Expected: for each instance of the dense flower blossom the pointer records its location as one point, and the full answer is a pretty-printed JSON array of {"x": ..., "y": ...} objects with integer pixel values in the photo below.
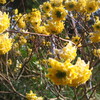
[
  {"x": 5, "y": 43},
  {"x": 91, "y": 6},
  {"x": 96, "y": 26},
  {"x": 67, "y": 73},
  {"x": 80, "y": 5},
  {"x": 4, "y": 22},
  {"x": 95, "y": 37},
  {"x": 2, "y": 1},
  {"x": 54, "y": 27},
  {"x": 96, "y": 52},
  {"x": 41, "y": 29},
  {"x": 70, "y": 5},
  {"x": 46, "y": 7},
  {"x": 56, "y": 3},
  {"x": 59, "y": 13},
  {"x": 76, "y": 39},
  {"x": 58, "y": 72},
  {"x": 32, "y": 96},
  {"x": 68, "y": 52}
]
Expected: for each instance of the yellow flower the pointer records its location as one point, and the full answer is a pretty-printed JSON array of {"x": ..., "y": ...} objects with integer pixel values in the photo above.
[
  {"x": 58, "y": 72},
  {"x": 22, "y": 40},
  {"x": 56, "y": 3},
  {"x": 15, "y": 46},
  {"x": 4, "y": 22},
  {"x": 68, "y": 74},
  {"x": 41, "y": 29},
  {"x": 36, "y": 13},
  {"x": 46, "y": 43},
  {"x": 36, "y": 22},
  {"x": 96, "y": 52},
  {"x": 80, "y": 5},
  {"x": 12, "y": 0},
  {"x": 96, "y": 26},
  {"x": 55, "y": 27},
  {"x": 76, "y": 40},
  {"x": 15, "y": 11},
  {"x": 91, "y": 6},
  {"x": 2, "y": 1},
  {"x": 9, "y": 62},
  {"x": 46, "y": 7},
  {"x": 87, "y": 17},
  {"x": 21, "y": 24},
  {"x": 82, "y": 71},
  {"x": 71, "y": 5},
  {"x": 5, "y": 43},
  {"x": 59, "y": 13},
  {"x": 32, "y": 96},
  {"x": 95, "y": 37},
  {"x": 68, "y": 52}
]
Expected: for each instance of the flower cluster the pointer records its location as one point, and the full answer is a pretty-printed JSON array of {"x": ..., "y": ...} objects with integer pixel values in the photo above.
[
  {"x": 96, "y": 52},
  {"x": 5, "y": 43},
  {"x": 66, "y": 73},
  {"x": 88, "y": 6},
  {"x": 2, "y": 1},
  {"x": 32, "y": 96},
  {"x": 68, "y": 52},
  {"x": 51, "y": 17},
  {"x": 95, "y": 37},
  {"x": 96, "y": 26},
  {"x": 4, "y": 22}
]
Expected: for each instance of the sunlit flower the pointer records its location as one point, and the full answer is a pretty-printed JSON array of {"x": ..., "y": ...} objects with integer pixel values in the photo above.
[
  {"x": 95, "y": 37},
  {"x": 80, "y": 5},
  {"x": 56, "y": 3},
  {"x": 96, "y": 52},
  {"x": 2, "y": 1},
  {"x": 32, "y": 96},
  {"x": 4, "y": 22},
  {"x": 91, "y": 6},
  {"x": 59, "y": 13},
  {"x": 68, "y": 52},
  {"x": 58, "y": 73},
  {"x": 5, "y": 43},
  {"x": 96, "y": 26},
  {"x": 55, "y": 27},
  {"x": 71, "y": 5},
  {"x": 68, "y": 74},
  {"x": 46, "y": 7},
  {"x": 76, "y": 40}
]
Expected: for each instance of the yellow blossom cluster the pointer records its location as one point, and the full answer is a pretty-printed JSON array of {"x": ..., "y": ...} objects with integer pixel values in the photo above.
[
  {"x": 96, "y": 52},
  {"x": 95, "y": 37},
  {"x": 5, "y": 43},
  {"x": 55, "y": 27},
  {"x": 96, "y": 26},
  {"x": 46, "y": 7},
  {"x": 68, "y": 52},
  {"x": 32, "y": 96},
  {"x": 22, "y": 40},
  {"x": 34, "y": 17},
  {"x": 59, "y": 13},
  {"x": 20, "y": 19},
  {"x": 51, "y": 17},
  {"x": 82, "y": 5},
  {"x": 66, "y": 73},
  {"x": 2, "y": 1},
  {"x": 76, "y": 40},
  {"x": 56, "y": 3},
  {"x": 4, "y": 22}
]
